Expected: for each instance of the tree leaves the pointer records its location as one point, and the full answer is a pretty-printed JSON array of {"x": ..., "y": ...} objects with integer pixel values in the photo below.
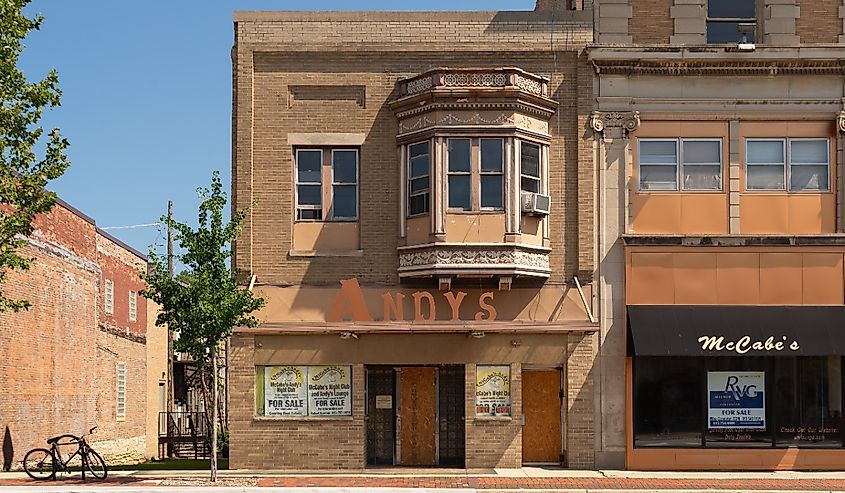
[
  {"x": 203, "y": 303},
  {"x": 23, "y": 175}
]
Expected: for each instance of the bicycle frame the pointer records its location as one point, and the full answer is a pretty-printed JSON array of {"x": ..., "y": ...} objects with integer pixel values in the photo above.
[{"x": 81, "y": 452}]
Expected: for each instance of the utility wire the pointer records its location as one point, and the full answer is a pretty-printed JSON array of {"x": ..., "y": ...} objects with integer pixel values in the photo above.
[{"x": 133, "y": 226}]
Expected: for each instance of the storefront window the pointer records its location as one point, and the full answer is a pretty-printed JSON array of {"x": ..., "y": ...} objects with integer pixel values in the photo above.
[
  {"x": 668, "y": 402},
  {"x": 738, "y": 402},
  {"x": 808, "y": 402},
  {"x": 303, "y": 391}
]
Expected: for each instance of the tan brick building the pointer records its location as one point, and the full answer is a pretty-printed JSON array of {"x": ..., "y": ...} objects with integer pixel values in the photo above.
[
  {"x": 422, "y": 229},
  {"x": 720, "y": 234},
  {"x": 79, "y": 357}
]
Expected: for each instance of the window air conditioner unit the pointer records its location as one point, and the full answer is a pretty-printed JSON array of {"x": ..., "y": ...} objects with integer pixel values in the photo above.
[{"x": 536, "y": 203}]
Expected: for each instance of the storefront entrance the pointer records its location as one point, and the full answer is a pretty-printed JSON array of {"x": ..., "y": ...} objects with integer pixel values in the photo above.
[
  {"x": 415, "y": 415},
  {"x": 541, "y": 404}
]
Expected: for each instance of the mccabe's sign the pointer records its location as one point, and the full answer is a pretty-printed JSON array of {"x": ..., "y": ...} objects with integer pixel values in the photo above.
[
  {"x": 746, "y": 344},
  {"x": 350, "y": 305}
]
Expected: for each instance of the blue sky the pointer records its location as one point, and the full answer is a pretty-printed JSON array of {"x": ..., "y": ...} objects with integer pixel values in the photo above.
[{"x": 147, "y": 98}]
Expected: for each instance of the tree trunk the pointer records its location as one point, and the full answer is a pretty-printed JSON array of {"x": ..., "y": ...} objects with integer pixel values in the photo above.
[{"x": 214, "y": 414}]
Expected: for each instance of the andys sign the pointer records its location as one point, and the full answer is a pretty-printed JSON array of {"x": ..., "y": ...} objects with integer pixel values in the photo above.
[{"x": 349, "y": 305}]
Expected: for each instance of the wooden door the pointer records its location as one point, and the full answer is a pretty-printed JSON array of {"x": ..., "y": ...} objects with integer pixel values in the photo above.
[
  {"x": 541, "y": 406},
  {"x": 417, "y": 411}
]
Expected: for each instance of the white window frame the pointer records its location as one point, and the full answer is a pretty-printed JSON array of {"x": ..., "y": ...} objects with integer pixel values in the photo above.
[
  {"x": 120, "y": 400},
  {"x": 297, "y": 183},
  {"x": 785, "y": 164},
  {"x": 108, "y": 295},
  {"x": 450, "y": 173},
  {"x": 540, "y": 170},
  {"x": 332, "y": 216},
  {"x": 683, "y": 164},
  {"x": 427, "y": 191},
  {"x": 482, "y": 173},
  {"x": 133, "y": 306},
  {"x": 790, "y": 164},
  {"x": 677, "y": 165}
]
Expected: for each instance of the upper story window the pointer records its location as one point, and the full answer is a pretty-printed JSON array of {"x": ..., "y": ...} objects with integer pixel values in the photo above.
[
  {"x": 731, "y": 21},
  {"x": 133, "y": 306},
  {"x": 680, "y": 164},
  {"x": 109, "y": 296},
  {"x": 326, "y": 184},
  {"x": 419, "y": 170},
  {"x": 529, "y": 158},
  {"x": 803, "y": 164},
  {"x": 475, "y": 169}
]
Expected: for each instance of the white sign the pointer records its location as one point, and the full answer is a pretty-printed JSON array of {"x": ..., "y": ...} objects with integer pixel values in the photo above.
[
  {"x": 493, "y": 390},
  {"x": 330, "y": 391},
  {"x": 384, "y": 402},
  {"x": 736, "y": 400},
  {"x": 285, "y": 391}
]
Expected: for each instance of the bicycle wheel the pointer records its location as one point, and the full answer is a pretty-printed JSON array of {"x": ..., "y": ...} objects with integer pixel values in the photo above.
[
  {"x": 96, "y": 464},
  {"x": 38, "y": 464}
]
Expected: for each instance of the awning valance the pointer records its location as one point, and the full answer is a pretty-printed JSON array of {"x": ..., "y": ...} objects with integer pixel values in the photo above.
[{"x": 720, "y": 330}]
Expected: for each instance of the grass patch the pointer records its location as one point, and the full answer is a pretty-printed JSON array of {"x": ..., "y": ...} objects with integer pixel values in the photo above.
[{"x": 173, "y": 465}]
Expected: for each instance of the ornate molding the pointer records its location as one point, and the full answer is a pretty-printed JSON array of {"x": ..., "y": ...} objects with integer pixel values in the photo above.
[
  {"x": 629, "y": 121},
  {"x": 483, "y": 78},
  {"x": 507, "y": 259},
  {"x": 840, "y": 121},
  {"x": 451, "y": 119},
  {"x": 726, "y": 67}
]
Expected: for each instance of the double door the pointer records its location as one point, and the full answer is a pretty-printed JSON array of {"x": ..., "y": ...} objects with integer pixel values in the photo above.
[{"x": 415, "y": 415}]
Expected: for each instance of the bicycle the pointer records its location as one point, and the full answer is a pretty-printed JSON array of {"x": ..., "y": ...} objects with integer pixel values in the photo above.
[{"x": 42, "y": 464}]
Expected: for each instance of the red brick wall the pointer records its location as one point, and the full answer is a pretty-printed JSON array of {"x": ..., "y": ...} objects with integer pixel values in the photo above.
[
  {"x": 122, "y": 268},
  {"x": 57, "y": 368}
]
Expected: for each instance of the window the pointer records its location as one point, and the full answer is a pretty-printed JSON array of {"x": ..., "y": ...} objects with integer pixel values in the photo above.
[
  {"x": 808, "y": 168},
  {"x": 460, "y": 173},
  {"x": 476, "y": 173},
  {"x": 345, "y": 184},
  {"x": 109, "y": 296},
  {"x": 133, "y": 306},
  {"x": 338, "y": 169},
  {"x": 699, "y": 162},
  {"x": 295, "y": 391},
  {"x": 492, "y": 173},
  {"x": 731, "y": 21},
  {"x": 309, "y": 179},
  {"x": 693, "y": 402},
  {"x": 121, "y": 392},
  {"x": 529, "y": 155},
  {"x": 418, "y": 179}
]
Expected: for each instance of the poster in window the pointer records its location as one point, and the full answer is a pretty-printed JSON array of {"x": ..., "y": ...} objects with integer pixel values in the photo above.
[
  {"x": 736, "y": 400},
  {"x": 330, "y": 390},
  {"x": 285, "y": 392},
  {"x": 493, "y": 390}
]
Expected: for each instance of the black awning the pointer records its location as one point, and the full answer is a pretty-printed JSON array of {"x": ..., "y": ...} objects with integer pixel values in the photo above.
[{"x": 719, "y": 330}]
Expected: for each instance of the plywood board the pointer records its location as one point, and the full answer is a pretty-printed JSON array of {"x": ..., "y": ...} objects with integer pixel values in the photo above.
[
  {"x": 417, "y": 411},
  {"x": 541, "y": 406}
]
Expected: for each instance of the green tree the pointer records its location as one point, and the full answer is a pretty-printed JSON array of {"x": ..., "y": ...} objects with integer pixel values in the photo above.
[
  {"x": 23, "y": 174},
  {"x": 204, "y": 302}
]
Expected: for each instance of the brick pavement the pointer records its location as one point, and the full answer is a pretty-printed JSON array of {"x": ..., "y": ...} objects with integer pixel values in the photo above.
[{"x": 496, "y": 483}]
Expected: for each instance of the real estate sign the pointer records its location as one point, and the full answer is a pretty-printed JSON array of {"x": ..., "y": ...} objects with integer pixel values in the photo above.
[
  {"x": 493, "y": 390},
  {"x": 285, "y": 391},
  {"x": 736, "y": 400}
]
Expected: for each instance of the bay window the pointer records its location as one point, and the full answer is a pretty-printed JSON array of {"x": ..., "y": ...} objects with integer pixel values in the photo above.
[
  {"x": 475, "y": 170},
  {"x": 529, "y": 155},
  {"x": 492, "y": 173},
  {"x": 460, "y": 174},
  {"x": 419, "y": 188}
]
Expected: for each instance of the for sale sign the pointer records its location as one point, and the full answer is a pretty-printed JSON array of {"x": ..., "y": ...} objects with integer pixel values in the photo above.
[
  {"x": 736, "y": 400},
  {"x": 285, "y": 392}
]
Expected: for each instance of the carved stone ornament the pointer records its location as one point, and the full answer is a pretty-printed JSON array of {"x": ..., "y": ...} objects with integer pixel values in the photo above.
[
  {"x": 840, "y": 121},
  {"x": 432, "y": 258},
  {"x": 629, "y": 121}
]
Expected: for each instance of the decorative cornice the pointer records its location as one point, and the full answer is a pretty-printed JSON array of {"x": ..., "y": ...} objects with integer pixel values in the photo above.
[
  {"x": 629, "y": 121},
  {"x": 677, "y": 67},
  {"x": 500, "y": 119},
  {"x": 475, "y": 78}
]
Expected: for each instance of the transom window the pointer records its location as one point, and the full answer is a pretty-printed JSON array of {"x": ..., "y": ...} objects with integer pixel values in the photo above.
[
  {"x": 475, "y": 169},
  {"x": 731, "y": 21},
  {"x": 680, "y": 164},
  {"x": 802, "y": 163},
  {"x": 337, "y": 169},
  {"x": 419, "y": 188}
]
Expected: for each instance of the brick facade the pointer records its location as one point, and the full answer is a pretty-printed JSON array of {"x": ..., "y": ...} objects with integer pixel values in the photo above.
[
  {"x": 58, "y": 359},
  {"x": 820, "y": 21},
  {"x": 651, "y": 21}
]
